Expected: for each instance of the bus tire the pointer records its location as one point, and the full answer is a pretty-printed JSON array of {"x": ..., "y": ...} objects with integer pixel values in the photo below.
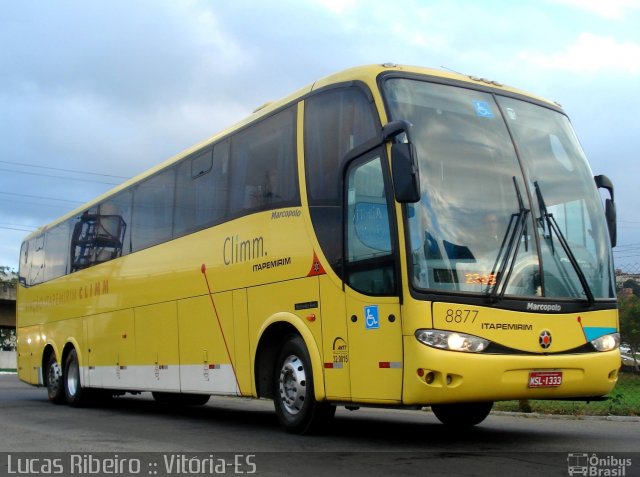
[
  {"x": 294, "y": 398},
  {"x": 464, "y": 414},
  {"x": 75, "y": 394},
  {"x": 55, "y": 384}
]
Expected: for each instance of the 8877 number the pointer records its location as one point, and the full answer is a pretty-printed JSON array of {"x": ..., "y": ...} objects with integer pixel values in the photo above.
[{"x": 461, "y": 316}]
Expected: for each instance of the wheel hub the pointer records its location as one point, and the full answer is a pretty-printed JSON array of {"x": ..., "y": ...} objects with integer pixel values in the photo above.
[
  {"x": 53, "y": 380},
  {"x": 293, "y": 384},
  {"x": 73, "y": 378}
]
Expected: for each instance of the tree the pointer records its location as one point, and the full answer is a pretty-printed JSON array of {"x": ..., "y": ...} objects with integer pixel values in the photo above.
[
  {"x": 8, "y": 279},
  {"x": 633, "y": 285},
  {"x": 7, "y": 339},
  {"x": 629, "y": 310},
  {"x": 7, "y": 275}
]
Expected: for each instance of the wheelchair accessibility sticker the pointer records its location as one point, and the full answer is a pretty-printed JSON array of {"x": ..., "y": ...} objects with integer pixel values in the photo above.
[
  {"x": 371, "y": 317},
  {"x": 483, "y": 109}
]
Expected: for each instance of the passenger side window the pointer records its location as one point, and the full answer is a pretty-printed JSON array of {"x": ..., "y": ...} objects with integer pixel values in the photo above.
[
  {"x": 263, "y": 165},
  {"x": 56, "y": 247},
  {"x": 152, "y": 220},
  {"x": 116, "y": 216},
  {"x": 370, "y": 257},
  {"x": 335, "y": 122},
  {"x": 201, "y": 189},
  {"x": 101, "y": 233},
  {"x": 25, "y": 263},
  {"x": 36, "y": 270}
]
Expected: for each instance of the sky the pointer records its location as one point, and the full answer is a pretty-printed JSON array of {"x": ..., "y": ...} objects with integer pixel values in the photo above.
[{"x": 94, "y": 92}]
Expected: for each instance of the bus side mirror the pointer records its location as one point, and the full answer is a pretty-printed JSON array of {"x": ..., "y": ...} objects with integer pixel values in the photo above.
[
  {"x": 610, "y": 214},
  {"x": 406, "y": 177},
  {"x": 603, "y": 182},
  {"x": 404, "y": 163}
]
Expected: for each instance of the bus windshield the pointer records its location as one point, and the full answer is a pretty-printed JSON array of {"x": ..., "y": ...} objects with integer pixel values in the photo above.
[{"x": 508, "y": 203}]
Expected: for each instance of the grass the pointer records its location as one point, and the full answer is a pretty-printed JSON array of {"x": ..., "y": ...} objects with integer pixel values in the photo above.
[{"x": 624, "y": 400}]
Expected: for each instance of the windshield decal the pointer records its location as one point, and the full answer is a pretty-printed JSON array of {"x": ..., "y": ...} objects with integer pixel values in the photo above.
[
  {"x": 593, "y": 332},
  {"x": 483, "y": 109}
]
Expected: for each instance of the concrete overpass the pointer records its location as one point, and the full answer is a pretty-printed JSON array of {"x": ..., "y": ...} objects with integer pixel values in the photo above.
[{"x": 7, "y": 305}]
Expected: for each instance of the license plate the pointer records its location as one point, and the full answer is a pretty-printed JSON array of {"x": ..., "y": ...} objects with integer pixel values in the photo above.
[{"x": 545, "y": 379}]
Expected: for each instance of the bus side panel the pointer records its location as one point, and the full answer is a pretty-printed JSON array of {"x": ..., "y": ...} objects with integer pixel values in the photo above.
[
  {"x": 59, "y": 333},
  {"x": 335, "y": 343},
  {"x": 265, "y": 302},
  {"x": 205, "y": 366},
  {"x": 157, "y": 360},
  {"x": 111, "y": 343},
  {"x": 244, "y": 369},
  {"x": 29, "y": 354}
]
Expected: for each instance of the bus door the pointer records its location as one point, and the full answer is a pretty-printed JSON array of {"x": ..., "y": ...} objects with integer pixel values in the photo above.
[{"x": 371, "y": 286}]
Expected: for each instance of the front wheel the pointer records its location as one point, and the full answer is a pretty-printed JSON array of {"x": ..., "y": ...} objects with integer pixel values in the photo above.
[
  {"x": 465, "y": 414},
  {"x": 294, "y": 395}
]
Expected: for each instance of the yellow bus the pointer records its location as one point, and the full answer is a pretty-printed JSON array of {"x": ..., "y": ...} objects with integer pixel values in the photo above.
[{"x": 388, "y": 236}]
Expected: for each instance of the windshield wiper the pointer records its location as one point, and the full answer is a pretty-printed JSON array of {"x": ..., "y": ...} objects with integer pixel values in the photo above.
[
  {"x": 509, "y": 249},
  {"x": 552, "y": 226}
]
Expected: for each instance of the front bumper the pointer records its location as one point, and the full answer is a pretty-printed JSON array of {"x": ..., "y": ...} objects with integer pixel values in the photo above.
[{"x": 433, "y": 376}]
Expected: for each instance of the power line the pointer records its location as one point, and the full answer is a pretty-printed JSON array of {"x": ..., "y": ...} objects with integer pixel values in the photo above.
[
  {"x": 41, "y": 197},
  {"x": 16, "y": 225},
  {"x": 50, "y": 205},
  {"x": 59, "y": 177},
  {"x": 18, "y": 229},
  {"x": 62, "y": 170}
]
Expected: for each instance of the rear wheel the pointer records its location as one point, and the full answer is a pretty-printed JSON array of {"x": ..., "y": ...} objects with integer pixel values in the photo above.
[
  {"x": 75, "y": 394},
  {"x": 465, "y": 414},
  {"x": 55, "y": 385},
  {"x": 294, "y": 395}
]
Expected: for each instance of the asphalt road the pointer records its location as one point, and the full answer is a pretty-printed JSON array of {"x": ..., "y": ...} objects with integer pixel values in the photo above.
[{"x": 367, "y": 442}]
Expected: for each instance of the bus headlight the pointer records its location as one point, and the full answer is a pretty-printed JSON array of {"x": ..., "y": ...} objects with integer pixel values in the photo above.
[
  {"x": 607, "y": 342},
  {"x": 452, "y": 340}
]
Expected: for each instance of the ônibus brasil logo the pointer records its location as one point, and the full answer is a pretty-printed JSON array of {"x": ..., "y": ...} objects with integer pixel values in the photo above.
[{"x": 593, "y": 465}]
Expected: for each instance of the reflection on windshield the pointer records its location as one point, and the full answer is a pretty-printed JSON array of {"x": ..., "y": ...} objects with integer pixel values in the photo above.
[
  {"x": 556, "y": 166},
  {"x": 468, "y": 165}
]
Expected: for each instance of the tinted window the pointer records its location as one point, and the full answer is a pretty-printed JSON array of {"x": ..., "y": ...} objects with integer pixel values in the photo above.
[
  {"x": 101, "y": 233},
  {"x": 56, "y": 245},
  {"x": 36, "y": 259},
  {"x": 152, "y": 220},
  {"x": 201, "y": 189},
  {"x": 263, "y": 165},
  {"x": 335, "y": 122},
  {"x": 25, "y": 262},
  {"x": 115, "y": 215},
  {"x": 370, "y": 264}
]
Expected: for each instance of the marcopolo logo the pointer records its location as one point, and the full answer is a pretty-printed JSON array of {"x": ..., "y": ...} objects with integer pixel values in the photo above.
[
  {"x": 595, "y": 465},
  {"x": 285, "y": 214},
  {"x": 543, "y": 307}
]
